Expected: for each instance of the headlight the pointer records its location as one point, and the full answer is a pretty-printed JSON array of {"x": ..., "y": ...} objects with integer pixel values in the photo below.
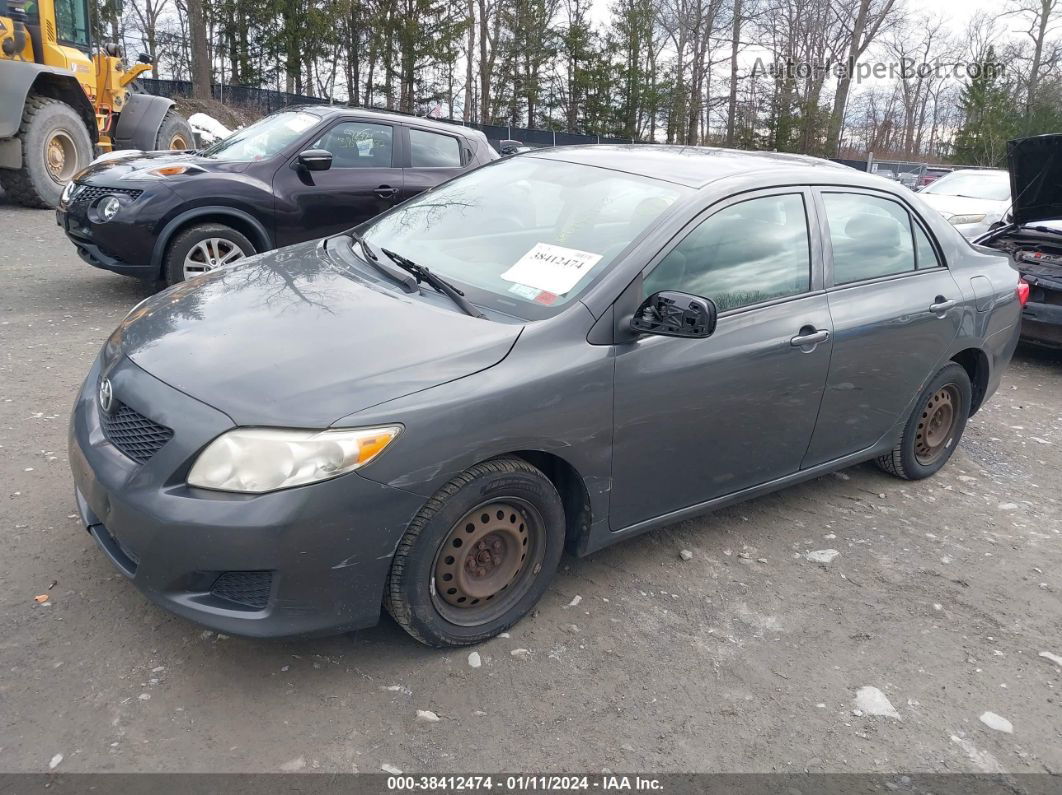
[
  {"x": 108, "y": 207},
  {"x": 68, "y": 191},
  {"x": 257, "y": 460},
  {"x": 956, "y": 220}
]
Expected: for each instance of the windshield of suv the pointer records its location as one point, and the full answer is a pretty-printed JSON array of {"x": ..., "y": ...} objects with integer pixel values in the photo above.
[
  {"x": 264, "y": 138},
  {"x": 530, "y": 231},
  {"x": 994, "y": 185}
]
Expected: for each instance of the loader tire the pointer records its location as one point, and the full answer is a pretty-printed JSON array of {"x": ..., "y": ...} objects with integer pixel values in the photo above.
[
  {"x": 174, "y": 133},
  {"x": 55, "y": 146}
]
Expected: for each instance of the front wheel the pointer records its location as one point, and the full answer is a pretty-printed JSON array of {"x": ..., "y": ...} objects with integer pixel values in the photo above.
[
  {"x": 478, "y": 555},
  {"x": 55, "y": 146},
  {"x": 202, "y": 248},
  {"x": 934, "y": 428}
]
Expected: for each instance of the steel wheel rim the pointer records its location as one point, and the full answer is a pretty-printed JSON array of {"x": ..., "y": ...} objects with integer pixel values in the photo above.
[
  {"x": 178, "y": 141},
  {"x": 60, "y": 157},
  {"x": 209, "y": 254},
  {"x": 936, "y": 425},
  {"x": 488, "y": 561}
]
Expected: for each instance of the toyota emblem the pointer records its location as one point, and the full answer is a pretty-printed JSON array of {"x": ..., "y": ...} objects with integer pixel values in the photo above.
[{"x": 106, "y": 395}]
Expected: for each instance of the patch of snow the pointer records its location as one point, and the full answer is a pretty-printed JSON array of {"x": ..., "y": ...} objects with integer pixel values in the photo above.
[
  {"x": 997, "y": 722},
  {"x": 475, "y": 660},
  {"x": 822, "y": 556},
  {"x": 873, "y": 702}
]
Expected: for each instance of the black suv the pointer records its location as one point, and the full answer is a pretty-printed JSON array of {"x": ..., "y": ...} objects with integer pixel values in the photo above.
[{"x": 296, "y": 175}]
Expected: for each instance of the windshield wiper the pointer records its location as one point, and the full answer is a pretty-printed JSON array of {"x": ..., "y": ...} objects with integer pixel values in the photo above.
[
  {"x": 422, "y": 274},
  {"x": 400, "y": 275}
]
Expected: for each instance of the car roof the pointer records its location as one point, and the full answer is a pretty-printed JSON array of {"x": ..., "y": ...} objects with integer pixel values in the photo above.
[
  {"x": 693, "y": 166},
  {"x": 329, "y": 111}
]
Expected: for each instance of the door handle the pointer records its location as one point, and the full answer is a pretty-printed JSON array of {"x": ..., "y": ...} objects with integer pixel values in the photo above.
[
  {"x": 809, "y": 336},
  {"x": 385, "y": 192},
  {"x": 941, "y": 305}
]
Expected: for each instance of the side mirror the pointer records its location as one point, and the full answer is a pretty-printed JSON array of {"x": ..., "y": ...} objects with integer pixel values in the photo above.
[
  {"x": 673, "y": 314},
  {"x": 315, "y": 159}
]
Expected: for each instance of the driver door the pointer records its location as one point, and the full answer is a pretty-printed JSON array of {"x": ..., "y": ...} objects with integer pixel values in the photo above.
[
  {"x": 697, "y": 419},
  {"x": 362, "y": 183}
]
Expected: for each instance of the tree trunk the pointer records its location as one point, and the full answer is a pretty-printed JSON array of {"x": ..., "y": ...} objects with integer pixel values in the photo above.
[
  {"x": 735, "y": 42},
  {"x": 200, "y": 53},
  {"x": 467, "y": 109},
  {"x": 844, "y": 83}
]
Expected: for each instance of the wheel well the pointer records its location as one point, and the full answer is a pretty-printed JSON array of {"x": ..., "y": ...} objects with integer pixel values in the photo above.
[
  {"x": 68, "y": 91},
  {"x": 975, "y": 363},
  {"x": 569, "y": 484},
  {"x": 241, "y": 225}
]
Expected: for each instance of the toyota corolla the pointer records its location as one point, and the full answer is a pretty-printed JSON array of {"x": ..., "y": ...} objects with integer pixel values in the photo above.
[{"x": 562, "y": 349}]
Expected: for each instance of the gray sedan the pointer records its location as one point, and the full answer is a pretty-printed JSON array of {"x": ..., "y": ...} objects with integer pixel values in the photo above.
[{"x": 561, "y": 349}]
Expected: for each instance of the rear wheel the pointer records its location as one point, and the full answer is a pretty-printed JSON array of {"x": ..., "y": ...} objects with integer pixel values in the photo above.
[
  {"x": 174, "y": 133},
  {"x": 202, "y": 248},
  {"x": 934, "y": 428},
  {"x": 55, "y": 146},
  {"x": 478, "y": 556}
]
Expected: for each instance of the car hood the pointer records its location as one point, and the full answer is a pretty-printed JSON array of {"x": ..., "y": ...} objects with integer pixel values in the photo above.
[
  {"x": 1036, "y": 177},
  {"x": 962, "y": 205},
  {"x": 296, "y": 338},
  {"x": 119, "y": 165}
]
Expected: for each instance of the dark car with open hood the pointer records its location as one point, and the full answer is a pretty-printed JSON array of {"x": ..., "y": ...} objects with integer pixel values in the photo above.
[
  {"x": 296, "y": 175},
  {"x": 561, "y": 349},
  {"x": 1032, "y": 234}
]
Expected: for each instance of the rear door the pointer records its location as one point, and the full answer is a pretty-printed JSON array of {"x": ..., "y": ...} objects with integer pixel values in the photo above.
[
  {"x": 362, "y": 182},
  {"x": 434, "y": 157},
  {"x": 697, "y": 419},
  {"x": 896, "y": 311}
]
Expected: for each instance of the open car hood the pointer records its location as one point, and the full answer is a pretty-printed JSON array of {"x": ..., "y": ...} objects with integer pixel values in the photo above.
[{"x": 1036, "y": 178}]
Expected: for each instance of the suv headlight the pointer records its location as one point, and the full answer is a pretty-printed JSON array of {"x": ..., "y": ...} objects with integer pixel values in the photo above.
[
  {"x": 257, "y": 460},
  {"x": 956, "y": 220},
  {"x": 108, "y": 207}
]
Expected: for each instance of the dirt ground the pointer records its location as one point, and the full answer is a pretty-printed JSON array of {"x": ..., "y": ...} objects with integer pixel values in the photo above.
[{"x": 945, "y": 595}]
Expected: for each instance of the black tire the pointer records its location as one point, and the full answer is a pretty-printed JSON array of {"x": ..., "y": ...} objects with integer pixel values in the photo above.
[
  {"x": 913, "y": 457},
  {"x": 174, "y": 133},
  {"x": 47, "y": 121},
  {"x": 185, "y": 240},
  {"x": 411, "y": 595}
]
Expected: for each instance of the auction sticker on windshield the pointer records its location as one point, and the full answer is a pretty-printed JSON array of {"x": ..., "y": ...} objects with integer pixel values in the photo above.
[{"x": 555, "y": 269}]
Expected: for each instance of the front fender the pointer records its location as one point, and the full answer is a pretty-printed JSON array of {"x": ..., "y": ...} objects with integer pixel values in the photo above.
[
  {"x": 139, "y": 122},
  {"x": 21, "y": 79}
]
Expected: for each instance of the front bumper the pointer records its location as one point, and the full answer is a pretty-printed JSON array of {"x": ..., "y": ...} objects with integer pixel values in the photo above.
[
  {"x": 124, "y": 244},
  {"x": 326, "y": 547}
]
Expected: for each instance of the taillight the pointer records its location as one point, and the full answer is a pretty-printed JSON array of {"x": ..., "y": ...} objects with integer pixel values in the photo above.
[{"x": 1023, "y": 292}]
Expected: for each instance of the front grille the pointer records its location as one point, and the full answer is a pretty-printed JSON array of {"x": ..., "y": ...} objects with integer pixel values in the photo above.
[
  {"x": 248, "y": 588},
  {"x": 86, "y": 194},
  {"x": 134, "y": 434}
]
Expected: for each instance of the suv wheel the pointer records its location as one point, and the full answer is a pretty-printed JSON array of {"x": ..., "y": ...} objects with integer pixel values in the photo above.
[{"x": 202, "y": 248}]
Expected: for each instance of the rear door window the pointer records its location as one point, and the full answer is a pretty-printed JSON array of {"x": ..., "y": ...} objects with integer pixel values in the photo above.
[
  {"x": 871, "y": 237},
  {"x": 433, "y": 150}
]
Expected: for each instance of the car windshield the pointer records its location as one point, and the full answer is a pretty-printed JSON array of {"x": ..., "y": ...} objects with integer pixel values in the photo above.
[
  {"x": 264, "y": 138},
  {"x": 991, "y": 185},
  {"x": 526, "y": 231}
]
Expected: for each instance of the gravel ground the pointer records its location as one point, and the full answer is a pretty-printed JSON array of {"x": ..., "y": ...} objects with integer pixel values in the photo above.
[{"x": 944, "y": 597}]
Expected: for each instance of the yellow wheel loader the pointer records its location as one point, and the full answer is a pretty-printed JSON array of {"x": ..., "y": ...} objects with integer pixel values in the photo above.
[{"x": 62, "y": 101}]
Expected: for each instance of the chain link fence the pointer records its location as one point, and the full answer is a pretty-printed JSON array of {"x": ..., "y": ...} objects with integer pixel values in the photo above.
[{"x": 267, "y": 100}]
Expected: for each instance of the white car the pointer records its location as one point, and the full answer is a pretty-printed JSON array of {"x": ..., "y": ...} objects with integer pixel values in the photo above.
[{"x": 971, "y": 199}]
